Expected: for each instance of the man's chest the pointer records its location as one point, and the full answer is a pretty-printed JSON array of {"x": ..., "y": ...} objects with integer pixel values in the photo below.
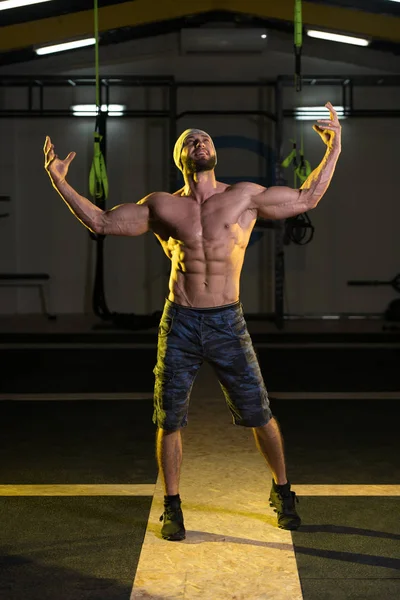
[{"x": 218, "y": 217}]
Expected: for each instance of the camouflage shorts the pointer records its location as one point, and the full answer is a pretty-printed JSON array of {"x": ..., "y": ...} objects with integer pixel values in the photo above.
[{"x": 189, "y": 336}]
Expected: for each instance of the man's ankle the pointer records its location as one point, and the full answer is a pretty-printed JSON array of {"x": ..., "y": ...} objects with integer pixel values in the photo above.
[
  {"x": 280, "y": 483},
  {"x": 172, "y": 498}
]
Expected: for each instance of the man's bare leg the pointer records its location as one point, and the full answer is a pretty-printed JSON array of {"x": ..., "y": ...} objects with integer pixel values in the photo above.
[
  {"x": 169, "y": 458},
  {"x": 270, "y": 443}
]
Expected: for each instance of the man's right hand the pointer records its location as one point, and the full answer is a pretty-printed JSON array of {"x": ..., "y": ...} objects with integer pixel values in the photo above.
[{"x": 56, "y": 168}]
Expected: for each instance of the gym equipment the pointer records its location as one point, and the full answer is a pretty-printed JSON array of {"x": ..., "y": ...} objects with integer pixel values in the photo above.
[
  {"x": 41, "y": 281},
  {"x": 298, "y": 229},
  {"x": 98, "y": 184},
  {"x": 302, "y": 168},
  {"x": 4, "y": 199},
  {"x": 298, "y": 42},
  {"x": 392, "y": 313},
  {"x": 395, "y": 282}
]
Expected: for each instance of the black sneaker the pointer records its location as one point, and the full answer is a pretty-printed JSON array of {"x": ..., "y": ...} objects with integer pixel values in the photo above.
[
  {"x": 283, "y": 503},
  {"x": 173, "y": 528}
]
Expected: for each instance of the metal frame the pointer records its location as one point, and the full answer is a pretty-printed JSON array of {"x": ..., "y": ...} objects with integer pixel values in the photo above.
[
  {"x": 40, "y": 83},
  {"x": 30, "y": 280}
]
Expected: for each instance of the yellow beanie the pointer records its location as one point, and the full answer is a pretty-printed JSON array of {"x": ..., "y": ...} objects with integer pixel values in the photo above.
[{"x": 179, "y": 145}]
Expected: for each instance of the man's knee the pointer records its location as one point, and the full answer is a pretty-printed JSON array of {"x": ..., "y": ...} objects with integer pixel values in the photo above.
[{"x": 162, "y": 432}]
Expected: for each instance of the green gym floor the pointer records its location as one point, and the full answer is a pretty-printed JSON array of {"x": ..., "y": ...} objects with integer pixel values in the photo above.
[{"x": 80, "y": 495}]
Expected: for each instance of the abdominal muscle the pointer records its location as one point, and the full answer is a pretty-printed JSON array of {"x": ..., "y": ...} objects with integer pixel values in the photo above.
[{"x": 205, "y": 277}]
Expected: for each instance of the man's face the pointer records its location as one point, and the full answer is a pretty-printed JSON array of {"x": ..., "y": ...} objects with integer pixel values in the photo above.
[{"x": 198, "y": 153}]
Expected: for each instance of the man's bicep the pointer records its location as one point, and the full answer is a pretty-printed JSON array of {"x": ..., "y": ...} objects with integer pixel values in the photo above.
[
  {"x": 280, "y": 202},
  {"x": 127, "y": 219}
]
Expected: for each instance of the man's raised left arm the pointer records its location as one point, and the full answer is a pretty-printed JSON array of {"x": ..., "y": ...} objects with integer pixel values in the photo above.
[{"x": 281, "y": 202}]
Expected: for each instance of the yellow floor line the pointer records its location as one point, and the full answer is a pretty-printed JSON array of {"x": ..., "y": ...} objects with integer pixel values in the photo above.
[
  {"x": 78, "y": 490},
  {"x": 148, "y": 490},
  {"x": 346, "y": 490}
]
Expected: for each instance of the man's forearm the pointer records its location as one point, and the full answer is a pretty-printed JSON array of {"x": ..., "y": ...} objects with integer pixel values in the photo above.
[
  {"x": 88, "y": 213},
  {"x": 318, "y": 181}
]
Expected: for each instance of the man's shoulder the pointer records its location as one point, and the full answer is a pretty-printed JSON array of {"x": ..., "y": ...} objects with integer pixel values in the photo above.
[
  {"x": 248, "y": 186},
  {"x": 154, "y": 198}
]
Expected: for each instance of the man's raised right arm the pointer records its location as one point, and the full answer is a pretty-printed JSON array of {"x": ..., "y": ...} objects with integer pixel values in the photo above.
[{"x": 125, "y": 219}]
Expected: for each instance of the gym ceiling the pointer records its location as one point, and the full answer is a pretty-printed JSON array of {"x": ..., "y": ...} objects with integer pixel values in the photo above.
[{"x": 26, "y": 28}]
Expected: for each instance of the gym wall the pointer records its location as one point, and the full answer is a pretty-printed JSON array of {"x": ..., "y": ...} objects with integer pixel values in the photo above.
[{"x": 356, "y": 222}]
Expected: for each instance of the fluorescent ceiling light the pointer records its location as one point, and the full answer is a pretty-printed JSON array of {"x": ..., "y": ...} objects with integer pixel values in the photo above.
[
  {"x": 6, "y": 4},
  {"x": 319, "y": 109},
  {"x": 66, "y": 46},
  {"x": 90, "y": 110},
  {"x": 92, "y": 107},
  {"x": 312, "y": 113},
  {"x": 93, "y": 114},
  {"x": 335, "y": 37}
]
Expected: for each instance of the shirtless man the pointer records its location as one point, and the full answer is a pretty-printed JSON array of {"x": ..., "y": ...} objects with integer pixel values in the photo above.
[{"x": 204, "y": 229}]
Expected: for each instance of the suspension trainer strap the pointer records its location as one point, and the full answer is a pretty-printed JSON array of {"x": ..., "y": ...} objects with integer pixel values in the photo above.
[
  {"x": 303, "y": 169},
  {"x": 98, "y": 180},
  {"x": 96, "y": 50},
  {"x": 291, "y": 158},
  {"x": 298, "y": 42}
]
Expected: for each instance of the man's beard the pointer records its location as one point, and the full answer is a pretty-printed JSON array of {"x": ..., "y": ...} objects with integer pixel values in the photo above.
[{"x": 197, "y": 165}]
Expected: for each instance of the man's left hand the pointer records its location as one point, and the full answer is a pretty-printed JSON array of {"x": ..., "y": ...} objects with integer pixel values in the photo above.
[{"x": 330, "y": 129}]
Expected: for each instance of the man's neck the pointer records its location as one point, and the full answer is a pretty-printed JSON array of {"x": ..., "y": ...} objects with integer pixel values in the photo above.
[{"x": 200, "y": 186}]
